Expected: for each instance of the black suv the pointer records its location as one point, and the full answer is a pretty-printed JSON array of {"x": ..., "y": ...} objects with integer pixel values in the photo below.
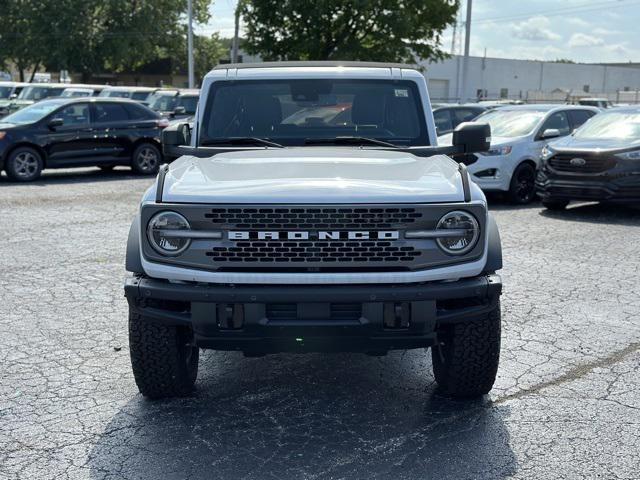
[
  {"x": 600, "y": 161},
  {"x": 80, "y": 132}
]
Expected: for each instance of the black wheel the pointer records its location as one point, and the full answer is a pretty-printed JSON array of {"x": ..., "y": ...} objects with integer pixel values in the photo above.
[
  {"x": 555, "y": 204},
  {"x": 146, "y": 159},
  {"x": 24, "y": 164},
  {"x": 163, "y": 358},
  {"x": 522, "y": 189},
  {"x": 465, "y": 362},
  {"x": 106, "y": 168}
]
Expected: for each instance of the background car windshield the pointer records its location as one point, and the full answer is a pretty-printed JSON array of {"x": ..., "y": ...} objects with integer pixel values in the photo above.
[
  {"x": 5, "y": 92},
  {"x": 140, "y": 96},
  {"x": 33, "y": 113},
  {"x": 624, "y": 125},
  {"x": 511, "y": 123},
  {"x": 290, "y": 111},
  {"x": 34, "y": 93},
  {"x": 115, "y": 93},
  {"x": 163, "y": 103},
  {"x": 76, "y": 93}
]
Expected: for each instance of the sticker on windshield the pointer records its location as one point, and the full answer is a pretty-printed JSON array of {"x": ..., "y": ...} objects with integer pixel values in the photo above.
[{"x": 401, "y": 92}]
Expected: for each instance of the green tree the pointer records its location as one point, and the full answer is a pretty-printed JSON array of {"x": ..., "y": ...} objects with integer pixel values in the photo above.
[
  {"x": 90, "y": 36},
  {"x": 373, "y": 30},
  {"x": 207, "y": 52}
]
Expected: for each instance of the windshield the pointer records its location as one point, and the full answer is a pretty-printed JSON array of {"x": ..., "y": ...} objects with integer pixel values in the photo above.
[
  {"x": 38, "y": 93},
  {"x": 33, "y": 113},
  {"x": 511, "y": 123},
  {"x": 163, "y": 102},
  {"x": 622, "y": 125},
  {"x": 5, "y": 92},
  {"x": 115, "y": 93},
  {"x": 76, "y": 93},
  {"x": 290, "y": 112}
]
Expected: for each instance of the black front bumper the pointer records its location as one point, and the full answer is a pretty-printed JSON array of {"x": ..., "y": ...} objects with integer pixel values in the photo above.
[
  {"x": 615, "y": 186},
  {"x": 260, "y": 319}
]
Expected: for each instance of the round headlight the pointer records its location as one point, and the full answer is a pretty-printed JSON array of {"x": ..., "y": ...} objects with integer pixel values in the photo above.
[
  {"x": 161, "y": 232},
  {"x": 463, "y": 235}
]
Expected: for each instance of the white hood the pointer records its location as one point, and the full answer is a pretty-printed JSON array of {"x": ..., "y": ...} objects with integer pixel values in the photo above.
[{"x": 313, "y": 175}]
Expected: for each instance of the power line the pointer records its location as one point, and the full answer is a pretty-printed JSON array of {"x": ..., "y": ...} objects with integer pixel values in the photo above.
[{"x": 561, "y": 11}]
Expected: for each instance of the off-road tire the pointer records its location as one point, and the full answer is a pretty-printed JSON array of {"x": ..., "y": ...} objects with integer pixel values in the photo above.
[
  {"x": 163, "y": 358},
  {"x": 465, "y": 362},
  {"x": 24, "y": 164},
  {"x": 146, "y": 159},
  {"x": 555, "y": 205}
]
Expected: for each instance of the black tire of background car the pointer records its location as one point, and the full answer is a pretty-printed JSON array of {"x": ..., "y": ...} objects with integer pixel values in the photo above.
[
  {"x": 163, "y": 358},
  {"x": 556, "y": 205},
  {"x": 522, "y": 189},
  {"x": 106, "y": 168},
  {"x": 146, "y": 159},
  {"x": 465, "y": 362},
  {"x": 24, "y": 164}
]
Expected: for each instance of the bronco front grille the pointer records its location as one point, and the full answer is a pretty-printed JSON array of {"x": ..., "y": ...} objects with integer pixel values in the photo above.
[
  {"x": 576, "y": 163},
  {"x": 314, "y": 251},
  {"x": 313, "y": 218},
  {"x": 311, "y": 238}
]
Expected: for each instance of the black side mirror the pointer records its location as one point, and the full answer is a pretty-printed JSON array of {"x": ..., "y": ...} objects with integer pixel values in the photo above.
[
  {"x": 471, "y": 137},
  {"x": 55, "y": 123},
  {"x": 180, "y": 110},
  {"x": 176, "y": 135}
]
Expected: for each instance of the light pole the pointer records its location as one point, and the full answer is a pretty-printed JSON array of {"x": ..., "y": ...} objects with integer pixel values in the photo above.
[
  {"x": 236, "y": 34},
  {"x": 190, "y": 42},
  {"x": 465, "y": 63}
]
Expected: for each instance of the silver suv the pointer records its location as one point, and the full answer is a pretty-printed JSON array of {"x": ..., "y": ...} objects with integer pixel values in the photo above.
[{"x": 310, "y": 209}]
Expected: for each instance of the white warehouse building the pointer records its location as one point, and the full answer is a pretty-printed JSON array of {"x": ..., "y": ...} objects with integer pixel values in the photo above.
[{"x": 529, "y": 80}]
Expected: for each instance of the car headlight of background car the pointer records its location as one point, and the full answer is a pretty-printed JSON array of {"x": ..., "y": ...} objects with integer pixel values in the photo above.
[
  {"x": 632, "y": 155},
  {"x": 497, "y": 151},
  {"x": 458, "y": 232},
  {"x": 164, "y": 232},
  {"x": 546, "y": 152}
]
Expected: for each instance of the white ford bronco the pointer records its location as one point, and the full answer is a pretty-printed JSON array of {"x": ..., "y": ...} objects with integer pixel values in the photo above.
[{"x": 310, "y": 209}]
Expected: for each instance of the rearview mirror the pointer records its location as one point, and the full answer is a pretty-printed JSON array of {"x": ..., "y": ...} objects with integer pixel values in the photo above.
[
  {"x": 550, "y": 133},
  {"x": 471, "y": 137},
  {"x": 55, "y": 123}
]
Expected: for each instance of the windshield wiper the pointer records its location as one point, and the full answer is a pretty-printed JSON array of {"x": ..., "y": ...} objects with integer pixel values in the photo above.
[
  {"x": 348, "y": 141},
  {"x": 242, "y": 141}
]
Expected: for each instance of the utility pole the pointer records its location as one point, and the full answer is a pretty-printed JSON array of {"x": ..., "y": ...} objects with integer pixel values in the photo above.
[
  {"x": 236, "y": 34},
  {"x": 465, "y": 63},
  {"x": 190, "y": 43}
]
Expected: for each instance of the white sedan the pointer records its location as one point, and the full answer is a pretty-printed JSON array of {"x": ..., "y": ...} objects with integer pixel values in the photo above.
[{"x": 518, "y": 134}]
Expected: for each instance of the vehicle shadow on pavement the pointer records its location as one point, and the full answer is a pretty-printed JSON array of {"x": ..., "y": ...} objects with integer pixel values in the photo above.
[
  {"x": 88, "y": 175},
  {"x": 597, "y": 213},
  {"x": 308, "y": 416}
]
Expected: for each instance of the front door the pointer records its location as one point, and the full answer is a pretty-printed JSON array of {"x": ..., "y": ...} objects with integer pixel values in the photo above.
[{"x": 71, "y": 143}]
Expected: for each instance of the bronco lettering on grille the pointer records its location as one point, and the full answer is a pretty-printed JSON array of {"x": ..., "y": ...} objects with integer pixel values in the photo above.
[{"x": 320, "y": 235}]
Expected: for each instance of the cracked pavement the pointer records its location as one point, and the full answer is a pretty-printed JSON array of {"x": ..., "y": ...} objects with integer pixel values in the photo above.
[{"x": 566, "y": 403}]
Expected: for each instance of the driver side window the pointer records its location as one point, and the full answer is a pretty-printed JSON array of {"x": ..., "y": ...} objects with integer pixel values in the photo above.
[
  {"x": 558, "y": 121},
  {"x": 75, "y": 114}
]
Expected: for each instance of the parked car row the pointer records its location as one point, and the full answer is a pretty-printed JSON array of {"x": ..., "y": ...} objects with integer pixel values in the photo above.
[
  {"x": 559, "y": 152},
  {"x": 172, "y": 102}
]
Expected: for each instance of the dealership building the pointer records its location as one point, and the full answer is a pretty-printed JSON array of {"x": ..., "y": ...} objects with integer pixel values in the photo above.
[{"x": 529, "y": 80}]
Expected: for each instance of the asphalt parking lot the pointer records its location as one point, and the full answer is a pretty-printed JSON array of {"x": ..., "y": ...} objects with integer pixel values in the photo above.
[{"x": 566, "y": 403}]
